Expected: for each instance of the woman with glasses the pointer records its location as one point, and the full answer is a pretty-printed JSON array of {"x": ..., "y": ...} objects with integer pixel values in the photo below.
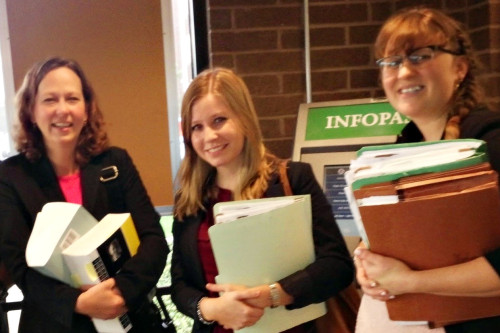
[{"x": 427, "y": 70}]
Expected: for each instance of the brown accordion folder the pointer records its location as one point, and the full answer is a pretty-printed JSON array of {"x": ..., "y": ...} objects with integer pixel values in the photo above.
[{"x": 441, "y": 219}]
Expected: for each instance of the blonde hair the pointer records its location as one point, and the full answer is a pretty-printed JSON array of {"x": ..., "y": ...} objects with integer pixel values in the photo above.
[
  {"x": 410, "y": 28},
  {"x": 196, "y": 177}
]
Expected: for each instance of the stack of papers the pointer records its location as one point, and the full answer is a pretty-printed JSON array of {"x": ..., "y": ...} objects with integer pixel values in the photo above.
[
  {"x": 376, "y": 164},
  {"x": 431, "y": 205}
]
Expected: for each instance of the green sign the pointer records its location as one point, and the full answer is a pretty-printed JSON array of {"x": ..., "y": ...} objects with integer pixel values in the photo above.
[{"x": 353, "y": 121}]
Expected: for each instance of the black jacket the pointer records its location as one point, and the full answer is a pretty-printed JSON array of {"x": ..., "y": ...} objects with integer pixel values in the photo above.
[
  {"x": 484, "y": 125},
  {"x": 331, "y": 272},
  {"x": 25, "y": 187}
]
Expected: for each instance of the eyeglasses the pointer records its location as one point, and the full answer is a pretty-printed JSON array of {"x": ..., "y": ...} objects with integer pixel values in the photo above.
[{"x": 416, "y": 57}]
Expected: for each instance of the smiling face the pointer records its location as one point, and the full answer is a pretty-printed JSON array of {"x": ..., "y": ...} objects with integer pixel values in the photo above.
[
  {"x": 424, "y": 91},
  {"x": 59, "y": 109},
  {"x": 216, "y": 135}
]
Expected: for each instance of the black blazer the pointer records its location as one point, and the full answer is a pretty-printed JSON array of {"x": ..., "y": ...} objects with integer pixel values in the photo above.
[
  {"x": 483, "y": 125},
  {"x": 331, "y": 272},
  {"x": 25, "y": 187}
]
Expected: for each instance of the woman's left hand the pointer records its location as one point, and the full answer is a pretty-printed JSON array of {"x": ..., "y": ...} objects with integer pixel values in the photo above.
[{"x": 385, "y": 276}]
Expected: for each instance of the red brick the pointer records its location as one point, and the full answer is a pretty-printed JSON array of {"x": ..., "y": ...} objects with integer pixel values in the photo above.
[
  {"x": 328, "y": 81},
  {"x": 495, "y": 38},
  {"x": 379, "y": 93},
  {"x": 219, "y": 19},
  {"x": 454, "y": 4},
  {"x": 278, "y": 105},
  {"x": 290, "y": 124},
  {"x": 479, "y": 16},
  {"x": 232, "y": 3},
  {"x": 244, "y": 41},
  {"x": 412, "y": 3},
  {"x": 480, "y": 39},
  {"x": 494, "y": 13},
  {"x": 262, "y": 84},
  {"x": 292, "y": 39},
  {"x": 281, "y": 148},
  {"x": 339, "y": 58},
  {"x": 269, "y": 62},
  {"x": 490, "y": 63},
  {"x": 364, "y": 78},
  {"x": 484, "y": 63},
  {"x": 459, "y": 16},
  {"x": 380, "y": 11},
  {"x": 294, "y": 83},
  {"x": 363, "y": 34},
  {"x": 277, "y": 79},
  {"x": 271, "y": 128},
  {"x": 495, "y": 62},
  {"x": 494, "y": 104},
  {"x": 222, "y": 60},
  {"x": 340, "y": 96},
  {"x": 331, "y": 36},
  {"x": 337, "y": 13},
  {"x": 290, "y": 16},
  {"x": 492, "y": 88}
]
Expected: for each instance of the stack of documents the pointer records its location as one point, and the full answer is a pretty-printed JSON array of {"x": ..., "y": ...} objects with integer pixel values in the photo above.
[{"x": 430, "y": 205}]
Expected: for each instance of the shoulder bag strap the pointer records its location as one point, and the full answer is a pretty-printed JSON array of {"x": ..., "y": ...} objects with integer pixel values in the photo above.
[{"x": 284, "y": 179}]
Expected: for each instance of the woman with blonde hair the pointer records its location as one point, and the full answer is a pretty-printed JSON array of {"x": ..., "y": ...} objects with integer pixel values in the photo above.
[
  {"x": 226, "y": 160},
  {"x": 428, "y": 72}
]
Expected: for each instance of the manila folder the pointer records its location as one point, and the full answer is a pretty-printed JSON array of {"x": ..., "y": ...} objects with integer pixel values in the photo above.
[
  {"x": 265, "y": 248},
  {"x": 434, "y": 232}
]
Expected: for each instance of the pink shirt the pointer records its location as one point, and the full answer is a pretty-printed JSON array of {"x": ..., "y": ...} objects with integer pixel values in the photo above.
[{"x": 71, "y": 187}]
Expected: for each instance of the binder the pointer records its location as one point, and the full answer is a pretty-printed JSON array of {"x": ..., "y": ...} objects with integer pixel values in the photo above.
[
  {"x": 436, "y": 219},
  {"x": 264, "y": 248}
]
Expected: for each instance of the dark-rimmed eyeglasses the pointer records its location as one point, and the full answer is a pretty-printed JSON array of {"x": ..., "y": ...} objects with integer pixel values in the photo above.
[{"x": 416, "y": 57}]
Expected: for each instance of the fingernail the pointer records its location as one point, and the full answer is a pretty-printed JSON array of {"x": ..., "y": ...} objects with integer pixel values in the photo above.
[
  {"x": 392, "y": 297},
  {"x": 373, "y": 284},
  {"x": 383, "y": 293},
  {"x": 357, "y": 251}
]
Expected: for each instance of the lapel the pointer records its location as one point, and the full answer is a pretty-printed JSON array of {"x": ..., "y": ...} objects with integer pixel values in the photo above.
[
  {"x": 46, "y": 179},
  {"x": 36, "y": 184},
  {"x": 90, "y": 185},
  {"x": 186, "y": 238}
]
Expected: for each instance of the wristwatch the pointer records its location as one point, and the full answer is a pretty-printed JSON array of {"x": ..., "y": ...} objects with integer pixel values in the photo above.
[{"x": 274, "y": 295}]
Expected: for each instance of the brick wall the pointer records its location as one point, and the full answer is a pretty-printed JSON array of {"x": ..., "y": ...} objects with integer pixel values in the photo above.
[{"x": 263, "y": 41}]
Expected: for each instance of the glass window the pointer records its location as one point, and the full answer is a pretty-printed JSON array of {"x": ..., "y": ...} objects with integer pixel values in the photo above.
[
  {"x": 178, "y": 45},
  {"x": 6, "y": 87}
]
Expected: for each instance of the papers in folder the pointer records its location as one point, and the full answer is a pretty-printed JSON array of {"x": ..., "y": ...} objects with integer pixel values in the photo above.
[
  {"x": 433, "y": 213},
  {"x": 262, "y": 241}
]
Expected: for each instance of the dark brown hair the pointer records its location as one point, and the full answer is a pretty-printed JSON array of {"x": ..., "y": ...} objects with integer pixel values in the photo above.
[{"x": 29, "y": 140}]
